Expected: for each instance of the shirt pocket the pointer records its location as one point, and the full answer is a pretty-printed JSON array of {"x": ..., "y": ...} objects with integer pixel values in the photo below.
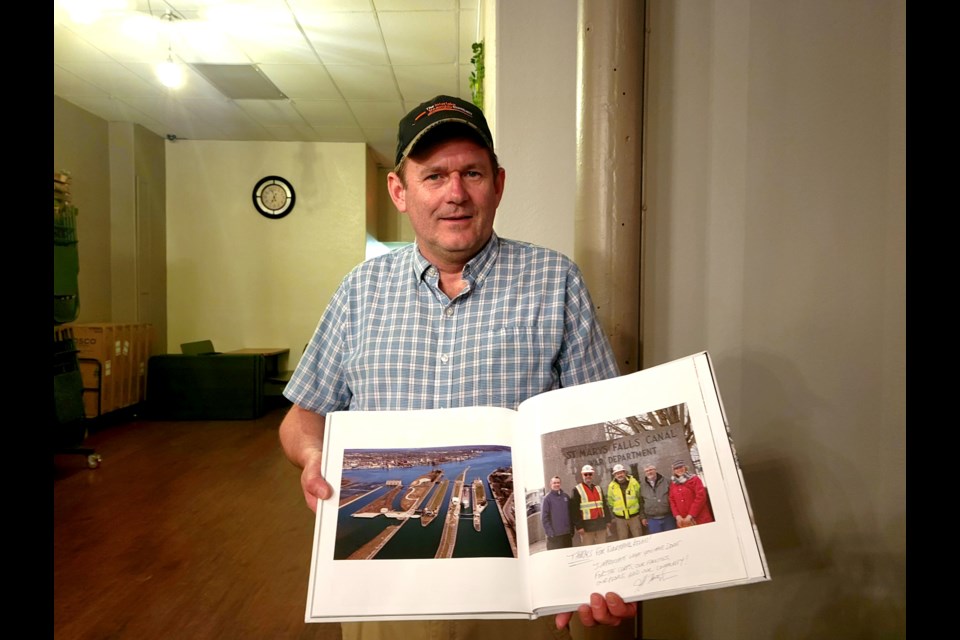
[{"x": 514, "y": 363}]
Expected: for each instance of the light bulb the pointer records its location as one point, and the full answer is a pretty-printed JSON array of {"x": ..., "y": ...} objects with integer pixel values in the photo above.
[{"x": 170, "y": 74}]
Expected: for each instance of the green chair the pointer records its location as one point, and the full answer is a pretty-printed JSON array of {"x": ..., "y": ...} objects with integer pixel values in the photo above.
[{"x": 198, "y": 348}]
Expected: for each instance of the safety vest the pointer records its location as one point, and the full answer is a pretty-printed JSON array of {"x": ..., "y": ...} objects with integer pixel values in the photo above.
[
  {"x": 616, "y": 498},
  {"x": 591, "y": 502}
]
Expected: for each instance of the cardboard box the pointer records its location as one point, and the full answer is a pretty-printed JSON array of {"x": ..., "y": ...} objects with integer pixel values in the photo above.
[
  {"x": 91, "y": 404},
  {"x": 122, "y": 362},
  {"x": 120, "y": 352},
  {"x": 95, "y": 341},
  {"x": 90, "y": 371}
]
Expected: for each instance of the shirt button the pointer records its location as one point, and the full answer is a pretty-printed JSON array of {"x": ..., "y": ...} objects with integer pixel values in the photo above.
[
  {"x": 448, "y": 311},
  {"x": 444, "y": 357}
]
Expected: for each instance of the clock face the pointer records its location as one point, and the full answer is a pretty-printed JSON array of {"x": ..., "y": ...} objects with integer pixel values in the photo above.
[{"x": 274, "y": 197}]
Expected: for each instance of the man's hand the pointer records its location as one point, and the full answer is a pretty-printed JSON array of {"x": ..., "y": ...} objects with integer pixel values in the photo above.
[
  {"x": 314, "y": 486},
  {"x": 609, "y": 610},
  {"x": 301, "y": 436}
]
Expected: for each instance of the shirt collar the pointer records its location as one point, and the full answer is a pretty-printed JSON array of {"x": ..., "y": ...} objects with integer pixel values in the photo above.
[{"x": 473, "y": 271}]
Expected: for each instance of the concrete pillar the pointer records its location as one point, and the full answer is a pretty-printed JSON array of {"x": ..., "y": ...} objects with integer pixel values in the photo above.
[{"x": 608, "y": 219}]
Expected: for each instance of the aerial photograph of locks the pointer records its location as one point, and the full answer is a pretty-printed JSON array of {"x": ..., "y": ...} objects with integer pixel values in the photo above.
[{"x": 441, "y": 502}]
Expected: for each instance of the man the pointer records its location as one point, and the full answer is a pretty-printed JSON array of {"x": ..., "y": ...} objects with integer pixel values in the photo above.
[
  {"x": 590, "y": 519},
  {"x": 655, "y": 491},
  {"x": 459, "y": 318},
  {"x": 625, "y": 502},
  {"x": 555, "y": 516},
  {"x": 688, "y": 497}
]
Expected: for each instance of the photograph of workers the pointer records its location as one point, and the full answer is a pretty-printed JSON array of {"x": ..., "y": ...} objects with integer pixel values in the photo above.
[{"x": 625, "y": 478}]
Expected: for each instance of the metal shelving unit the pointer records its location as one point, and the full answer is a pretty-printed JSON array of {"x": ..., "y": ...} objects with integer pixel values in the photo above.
[{"x": 68, "y": 428}]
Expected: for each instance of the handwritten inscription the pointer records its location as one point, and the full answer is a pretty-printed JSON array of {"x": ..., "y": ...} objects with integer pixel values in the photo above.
[{"x": 637, "y": 560}]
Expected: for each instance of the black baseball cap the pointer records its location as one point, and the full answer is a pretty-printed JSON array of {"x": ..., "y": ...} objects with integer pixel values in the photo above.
[{"x": 437, "y": 111}]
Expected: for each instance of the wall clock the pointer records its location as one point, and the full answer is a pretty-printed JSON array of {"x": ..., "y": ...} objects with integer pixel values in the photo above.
[{"x": 274, "y": 197}]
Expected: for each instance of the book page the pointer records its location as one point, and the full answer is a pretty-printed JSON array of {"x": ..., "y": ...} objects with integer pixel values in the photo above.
[
  {"x": 660, "y": 416},
  {"x": 421, "y": 524}
]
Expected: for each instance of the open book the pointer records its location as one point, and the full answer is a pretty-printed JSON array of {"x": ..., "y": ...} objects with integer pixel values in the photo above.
[{"x": 437, "y": 514}]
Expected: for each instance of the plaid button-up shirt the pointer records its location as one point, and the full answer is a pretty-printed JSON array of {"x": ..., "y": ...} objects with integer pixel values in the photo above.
[{"x": 390, "y": 339}]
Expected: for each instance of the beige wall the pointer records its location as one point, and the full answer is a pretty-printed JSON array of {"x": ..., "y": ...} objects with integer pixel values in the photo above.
[
  {"x": 533, "y": 67},
  {"x": 776, "y": 240},
  {"x": 243, "y": 280},
  {"x": 392, "y": 226}
]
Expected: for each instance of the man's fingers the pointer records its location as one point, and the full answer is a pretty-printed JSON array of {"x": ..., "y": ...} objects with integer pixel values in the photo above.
[
  {"x": 585, "y": 611},
  {"x": 617, "y": 607},
  {"x": 322, "y": 489},
  {"x": 314, "y": 487},
  {"x": 609, "y": 610},
  {"x": 600, "y": 611}
]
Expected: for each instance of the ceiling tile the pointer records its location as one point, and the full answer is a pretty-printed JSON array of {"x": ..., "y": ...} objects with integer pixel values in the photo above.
[
  {"x": 135, "y": 39},
  {"x": 302, "y": 81},
  {"x": 294, "y": 133},
  {"x": 289, "y": 47},
  {"x": 340, "y": 134},
  {"x": 203, "y": 43},
  {"x": 382, "y": 135},
  {"x": 345, "y": 38},
  {"x": 271, "y": 112},
  {"x": 113, "y": 110},
  {"x": 416, "y": 5},
  {"x": 422, "y": 37},
  {"x": 245, "y": 128},
  {"x": 257, "y": 21},
  {"x": 372, "y": 115},
  {"x": 112, "y": 78},
  {"x": 364, "y": 82},
  {"x": 67, "y": 84},
  {"x": 167, "y": 111},
  {"x": 194, "y": 85},
  {"x": 69, "y": 47},
  {"x": 326, "y": 113},
  {"x": 221, "y": 112},
  {"x": 422, "y": 82},
  {"x": 240, "y": 81},
  {"x": 299, "y": 6}
]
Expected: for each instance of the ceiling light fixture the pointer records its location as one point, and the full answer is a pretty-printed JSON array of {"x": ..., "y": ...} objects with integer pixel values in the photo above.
[{"x": 169, "y": 72}]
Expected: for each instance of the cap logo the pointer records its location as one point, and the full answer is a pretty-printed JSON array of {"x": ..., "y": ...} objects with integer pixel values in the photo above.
[{"x": 442, "y": 106}]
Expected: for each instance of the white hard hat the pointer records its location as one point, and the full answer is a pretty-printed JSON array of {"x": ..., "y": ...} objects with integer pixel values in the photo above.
[
  {"x": 617, "y": 468},
  {"x": 586, "y": 469}
]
